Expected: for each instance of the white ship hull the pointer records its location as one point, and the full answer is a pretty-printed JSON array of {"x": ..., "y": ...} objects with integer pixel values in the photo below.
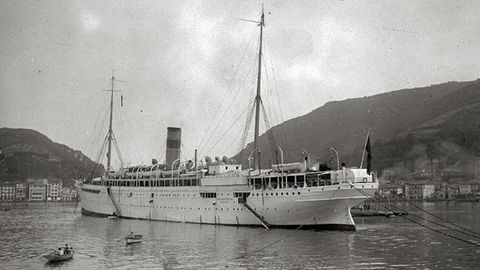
[{"x": 310, "y": 207}]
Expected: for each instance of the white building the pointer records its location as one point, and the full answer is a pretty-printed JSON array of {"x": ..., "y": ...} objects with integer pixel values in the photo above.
[
  {"x": 54, "y": 189},
  {"x": 37, "y": 192},
  {"x": 68, "y": 194},
  {"x": 7, "y": 192},
  {"x": 21, "y": 191}
]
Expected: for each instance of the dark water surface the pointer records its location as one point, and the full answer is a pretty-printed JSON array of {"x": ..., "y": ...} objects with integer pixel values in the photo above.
[{"x": 28, "y": 231}]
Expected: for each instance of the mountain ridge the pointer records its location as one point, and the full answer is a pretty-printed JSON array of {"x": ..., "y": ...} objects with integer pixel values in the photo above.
[
  {"x": 26, "y": 153},
  {"x": 345, "y": 124}
]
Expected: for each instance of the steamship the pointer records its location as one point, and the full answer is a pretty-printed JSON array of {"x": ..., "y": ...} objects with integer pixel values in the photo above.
[{"x": 222, "y": 192}]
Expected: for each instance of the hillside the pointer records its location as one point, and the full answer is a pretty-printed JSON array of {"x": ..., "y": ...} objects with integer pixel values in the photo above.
[
  {"x": 421, "y": 132},
  {"x": 26, "y": 153}
]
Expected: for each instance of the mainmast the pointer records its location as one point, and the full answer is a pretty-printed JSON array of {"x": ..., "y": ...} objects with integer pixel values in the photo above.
[
  {"x": 258, "y": 98},
  {"x": 110, "y": 129}
]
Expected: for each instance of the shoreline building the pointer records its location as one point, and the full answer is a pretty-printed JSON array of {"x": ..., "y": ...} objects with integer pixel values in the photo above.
[
  {"x": 38, "y": 190},
  {"x": 68, "y": 194},
  {"x": 21, "y": 191},
  {"x": 54, "y": 189},
  {"x": 7, "y": 192}
]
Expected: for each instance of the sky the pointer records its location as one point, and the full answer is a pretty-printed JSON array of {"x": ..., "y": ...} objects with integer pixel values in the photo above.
[{"x": 191, "y": 64}]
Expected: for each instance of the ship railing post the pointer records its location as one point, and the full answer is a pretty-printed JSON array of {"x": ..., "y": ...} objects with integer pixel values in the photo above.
[
  {"x": 281, "y": 165},
  {"x": 151, "y": 169},
  {"x": 336, "y": 153},
  {"x": 173, "y": 176}
]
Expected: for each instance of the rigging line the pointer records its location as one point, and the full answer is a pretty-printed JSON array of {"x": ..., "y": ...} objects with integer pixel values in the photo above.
[
  {"x": 94, "y": 167},
  {"x": 233, "y": 99},
  {"x": 241, "y": 133},
  {"x": 419, "y": 217},
  {"x": 125, "y": 123},
  {"x": 273, "y": 69},
  {"x": 160, "y": 152},
  {"x": 253, "y": 67},
  {"x": 271, "y": 99},
  {"x": 270, "y": 92},
  {"x": 228, "y": 87},
  {"x": 229, "y": 106},
  {"x": 248, "y": 124},
  {"x": 431, "y": 221},
  {"x": 284, "y": 141},
  {"x": 444, "y": 220},
  {"x": 444, "y": 233},
  {"x": 270, "y": 134},
  {"x": 119, "y": 154},
  {"x": 121, "y": 127},
  {"x": 471, "y": 233},
  {"x": 98, "y": 130},
  {"x": 228, "y": 146},
  {"x": 264, "y": 247},
  {"x": 234, "y": 122}
]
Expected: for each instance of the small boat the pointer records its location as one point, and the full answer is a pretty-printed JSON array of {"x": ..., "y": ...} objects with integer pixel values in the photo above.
[
  {"x": 133, "y": 238},
  {"x": 57, "y": 256},
  {"x": 112, "y": 217},
  {"x": 390, "y": 214}
]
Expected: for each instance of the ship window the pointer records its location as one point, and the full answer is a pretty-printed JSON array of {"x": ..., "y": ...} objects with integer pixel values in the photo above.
[
  {"x": 226, "y": 167},
  {"x": 273, "y": 182},
  {"x": 187, "y": 182},
  {"x": 300, "y": 180},
  {"x": 290, "y": 180},
  {"x": 208, "y": 194}
]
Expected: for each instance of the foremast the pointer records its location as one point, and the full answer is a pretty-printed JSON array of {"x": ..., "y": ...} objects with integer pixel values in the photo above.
[
  {"x": 110, "y": 136},
  {"x": 110, "y": 128}
]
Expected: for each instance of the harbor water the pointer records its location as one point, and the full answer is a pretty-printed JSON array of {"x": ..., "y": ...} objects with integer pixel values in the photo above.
[{"x": 27, "y": 231}]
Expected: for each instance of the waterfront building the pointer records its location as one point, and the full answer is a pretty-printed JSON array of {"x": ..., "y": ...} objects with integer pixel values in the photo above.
[
  {"x": 464, "y": 189},
  {"x": 428, "y": 191},
  {"x": 37, "y": 191},
  {"x": 440, "y": 192},
  {"x": 7, "y": 192},
  {"x": 392, "y": 190},
  {"x": 21, "y": 191},
  {"x": 54, "y": 189},
  {"x": 68, "y": 194},
  {"x": 414, "y": 191}
]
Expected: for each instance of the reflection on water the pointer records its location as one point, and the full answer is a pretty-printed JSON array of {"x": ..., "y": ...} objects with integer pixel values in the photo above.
[{"x": 28, "y": 231}]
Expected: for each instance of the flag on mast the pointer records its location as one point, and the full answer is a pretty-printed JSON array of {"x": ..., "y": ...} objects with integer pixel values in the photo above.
[{"x": 369, "y": 155}]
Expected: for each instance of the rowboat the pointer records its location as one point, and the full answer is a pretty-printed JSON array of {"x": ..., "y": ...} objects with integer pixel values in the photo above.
[
  {"x": 133, "y": 238},
  {"x": 56, "y": 256}
]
